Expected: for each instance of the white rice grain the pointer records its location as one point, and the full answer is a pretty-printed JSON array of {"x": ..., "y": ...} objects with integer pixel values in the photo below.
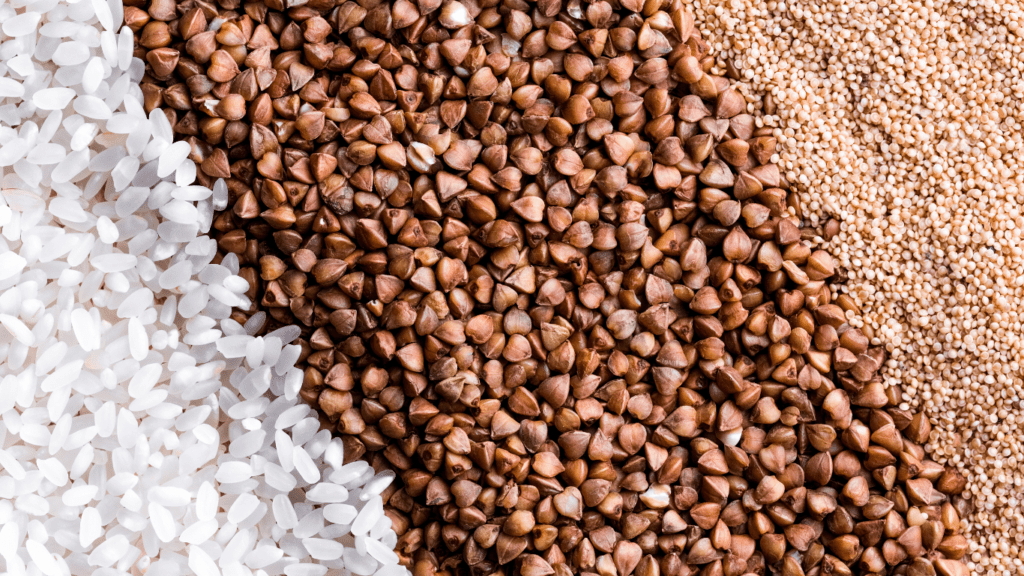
[{"x": 135, "y": 415}]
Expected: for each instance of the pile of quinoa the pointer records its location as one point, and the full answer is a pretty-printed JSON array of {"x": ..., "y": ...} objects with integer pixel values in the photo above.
[{"x": 899, "y": 125}]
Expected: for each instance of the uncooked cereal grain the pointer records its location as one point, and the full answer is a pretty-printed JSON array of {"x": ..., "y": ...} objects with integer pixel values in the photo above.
[
  {"x": 129, "y": 440},
  {"x": 899, "y": 126},
  {"x": 559, "y": 278}
]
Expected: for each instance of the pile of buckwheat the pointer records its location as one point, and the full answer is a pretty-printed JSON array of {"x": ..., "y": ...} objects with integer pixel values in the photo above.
[
  {"x": 902, "y": 122},
  {"x": 549, "y": 267}
]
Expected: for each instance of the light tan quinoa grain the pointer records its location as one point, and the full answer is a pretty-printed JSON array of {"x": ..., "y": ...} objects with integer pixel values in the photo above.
[{"x": 903, "y": 121}]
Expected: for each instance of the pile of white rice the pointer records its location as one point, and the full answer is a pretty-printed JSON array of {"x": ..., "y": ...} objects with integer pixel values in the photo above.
[{"x": 142, "y": 430}]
